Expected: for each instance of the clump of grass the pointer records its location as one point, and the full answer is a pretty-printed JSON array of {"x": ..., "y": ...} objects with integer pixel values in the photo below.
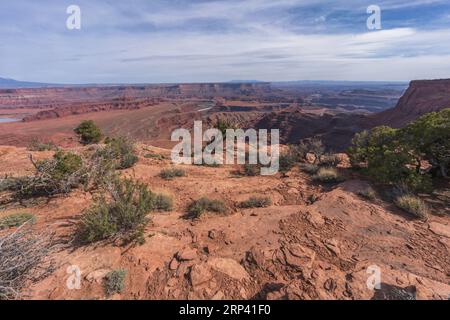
[
  {"x": 163, "y": 202},
  {"x": 37, "y": 145},
  {"x": 327, "y": 175},
  {"x": 199, "y": 207},
  {"x": 115, "y": 281},
  {"x": 413, "y": 205},
  {"x": 169, "y": 174},
  {"x": 256, "y": 202},
  {"x": 368, "y": 193},
  {"x": 156, "y": 156},
  {"x": 16, "y": 220},
  {"x": 309, "y": 168}
]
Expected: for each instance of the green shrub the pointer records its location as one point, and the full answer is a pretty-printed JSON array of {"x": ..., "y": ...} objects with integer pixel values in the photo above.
[
  {"x": 391, "y": 155},
  {"x": 199, "y": 207},
  {"x": 123, "y": 214},
  {"x": 62, "y": 165},
  {"x": 309, "y": 168},
  {"x": 119, "y": 150},
  {"x": 36, "y": 145},
  {"x": 171, "y": 173},
  {"x": 327, "y": 175},
  {"x": 256, "y": 202},
  {"x": 58, "y": 175},
  {"x": 413, "y": 205},
  {"x": 16, "y": 220},
  {"x": 115, "y": 281},
  {"x": 88, "y": 132},
  {"x": 368, "y": 193}
]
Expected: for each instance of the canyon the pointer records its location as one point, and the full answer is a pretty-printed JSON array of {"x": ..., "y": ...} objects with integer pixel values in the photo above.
[{"x": 314, "y": 241}]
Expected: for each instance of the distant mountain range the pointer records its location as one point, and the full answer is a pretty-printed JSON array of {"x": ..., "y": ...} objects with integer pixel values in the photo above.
[
  {"x": 6, "y": 83},
  {"x": 13, "y": 84}
]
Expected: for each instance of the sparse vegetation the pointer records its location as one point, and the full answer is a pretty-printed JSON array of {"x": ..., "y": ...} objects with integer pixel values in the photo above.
[
  {"x": 37, "y": 145},
  {"x": 199, "y": 207},
  {"x": 169, "y": 174},
  {"x": 163, "y": 202},
  {"x": 251, "y": 170},
  {"x": 413, "y": 205},
  {"x": 316, "y": 147},
  {"x": 156, "y": 156},
  {"x": 309, "y": 168},
  {"x": 119, "y": 150},
  {"x": 16, "y": 220},
  {"x": 115, "y": 281},
  {"x": 223, "y": 126},
  {"x": 368, "y": 193},
  {"x": 330, "y": 160},
  {"x": 256, "y": 202},
  {"x": 392, "y": 155},
  {"x": 123, "y": 214},
  {"x": 327, "y": 175},
  {"x": 53, "y": 176},
  {"x": 287, "y": 162},
  {"x": 22, "y": 260},
  {"x": 88, "y": 132}
]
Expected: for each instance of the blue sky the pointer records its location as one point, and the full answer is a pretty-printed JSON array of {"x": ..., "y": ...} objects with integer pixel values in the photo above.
[{"x": 138, "y": 41}]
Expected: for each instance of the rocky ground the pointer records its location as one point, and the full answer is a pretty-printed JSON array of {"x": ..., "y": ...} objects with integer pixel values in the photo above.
[{"x": 314, "y": 242}]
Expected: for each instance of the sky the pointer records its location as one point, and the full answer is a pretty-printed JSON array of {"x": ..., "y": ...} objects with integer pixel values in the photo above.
[{"x": 157, "y": 41}]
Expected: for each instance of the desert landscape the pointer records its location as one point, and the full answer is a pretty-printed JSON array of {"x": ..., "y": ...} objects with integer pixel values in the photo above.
[
  {"x": 224, "y": 158},
  {"x": 287, "y": 236}
]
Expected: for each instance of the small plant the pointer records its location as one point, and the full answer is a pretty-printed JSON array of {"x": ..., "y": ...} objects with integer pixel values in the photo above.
[
  {"x": 156, "y": 156},
  {"x": 169, "y": 174},
  {"x": 287, "y": 162},
  {"x": 309, "y": 168},
  {"x": 316, "y": 147},
  {"x": 37, "y": 145},
  {"x": 251, "y": 170},
  {"x": 199, "y": 207},
  {"x": 256, "y": 202},
  {"x": 163, "y": 202},
  {"x": 62, "y": 165},
  {"x": 122, "y": 214},
  {"x": 16, "y": 220},
  {"x": 223, "y": 126},
  {"x": 115, "y": 281},
  {"x": 330, "y": 160},
  {"x": 58, "y": 175},
  {"x": 88, "y": 132},
  {"x": 327, "y": 175},
  {"x": 368, "y": 193},
  {"x": 413, "y": 205},
  {"x": 119, "y": 150}
]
